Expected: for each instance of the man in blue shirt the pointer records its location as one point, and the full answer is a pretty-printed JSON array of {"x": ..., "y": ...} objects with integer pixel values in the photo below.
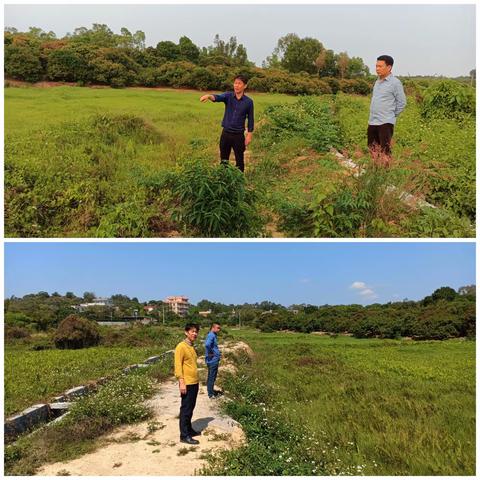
[
  {"x": 212, "y": 359},
  {"x": 388, "y": 101},
  {"x": 238, "y": 108}
]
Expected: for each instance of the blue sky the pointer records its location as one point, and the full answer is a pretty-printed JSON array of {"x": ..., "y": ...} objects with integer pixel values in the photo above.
[
  {"x": 423, "y": 39},
  {"x": 286, "y": 273}
]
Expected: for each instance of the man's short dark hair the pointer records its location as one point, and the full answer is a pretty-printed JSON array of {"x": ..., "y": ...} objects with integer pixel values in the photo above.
[
  {"x": 213, "y": 324},
  {"x": 191, "y": 326},
  {"x": 387, "y": 59},
  {"x": 241, "y": 77}
]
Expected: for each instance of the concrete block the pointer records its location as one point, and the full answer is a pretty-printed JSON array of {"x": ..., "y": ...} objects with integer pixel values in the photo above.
[
  {"x": 26, "y": 420},
  {"x": 130, "y": 368},
  {"x": 76, "y": 392},
  {"x": 60, "y": 406},
  {"x": 153, "y": 359}
]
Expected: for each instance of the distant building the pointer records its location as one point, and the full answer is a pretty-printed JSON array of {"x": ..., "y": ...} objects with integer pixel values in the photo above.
[
  {"x": 178, "y": 304},
  {"x": 205, "y": 314},
  {"x": 149, "y": 308},
  {"x": 97, "y": 302}
]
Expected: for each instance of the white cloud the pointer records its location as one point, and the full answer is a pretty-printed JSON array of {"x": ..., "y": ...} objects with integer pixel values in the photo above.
[
  {"x": 364, "y": 290},
  {"x": 304, "y": 280},
  {"x": 367, "y": 292}
]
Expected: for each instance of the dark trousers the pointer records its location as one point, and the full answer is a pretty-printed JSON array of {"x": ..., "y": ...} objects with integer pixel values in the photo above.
[
  {"x": 212, "y": 376},
  {"x": 380, "y": 138},
  {"x": 186, "y": 410},
  {"x": 235, "y": 141}
]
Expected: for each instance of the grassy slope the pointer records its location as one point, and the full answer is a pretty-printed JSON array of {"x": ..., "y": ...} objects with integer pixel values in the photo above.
[{"x": 408, "y": 407}]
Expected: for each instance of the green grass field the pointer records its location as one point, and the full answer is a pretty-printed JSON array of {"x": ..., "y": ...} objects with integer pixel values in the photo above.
[
  {"x": 372, "y": 407},
  {"x": 92, "y": 162},
  {"x": 36, "y": 376}
]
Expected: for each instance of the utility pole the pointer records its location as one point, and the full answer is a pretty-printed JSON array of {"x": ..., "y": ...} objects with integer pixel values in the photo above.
[{"x": 163, "y": 312}]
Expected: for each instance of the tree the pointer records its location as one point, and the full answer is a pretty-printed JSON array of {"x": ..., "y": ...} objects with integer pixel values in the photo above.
[
  {"x": 444, "y": 293},
  {"x": 188, "y": 50},
  {"x": 343, "y": 62},
  {"x": 321, "y": 61},
  {"x": 298, "y": 54},
  {"x": 99, "y": 35},
  {"x": 330, "y": 68},
  {"x": 88, "y": 297},
  {"x": 356, "y": 68},
  {"x": 168, "y": 50},
  {"x": 225, "y": 53}
]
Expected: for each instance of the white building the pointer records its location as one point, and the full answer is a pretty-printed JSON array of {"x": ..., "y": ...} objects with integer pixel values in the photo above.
[{"x": 97, "y": 302}]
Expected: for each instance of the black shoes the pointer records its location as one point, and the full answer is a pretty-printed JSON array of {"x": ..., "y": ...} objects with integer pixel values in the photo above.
[
  {"x": 189, "y": 440},
  {"x": 194, "y": 433}
]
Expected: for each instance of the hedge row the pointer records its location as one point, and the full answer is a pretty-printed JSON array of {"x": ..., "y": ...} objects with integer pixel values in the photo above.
[{"x": 117, "y": 68}]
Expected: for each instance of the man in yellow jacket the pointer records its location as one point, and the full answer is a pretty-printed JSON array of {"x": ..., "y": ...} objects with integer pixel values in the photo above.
[{"x": 187, "y": 374}]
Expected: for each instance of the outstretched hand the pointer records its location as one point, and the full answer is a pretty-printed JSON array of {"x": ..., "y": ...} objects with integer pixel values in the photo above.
[{"x": 204, "y": 98}]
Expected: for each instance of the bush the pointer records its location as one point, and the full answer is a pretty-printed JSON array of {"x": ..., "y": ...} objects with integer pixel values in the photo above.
[
  {"x": 448, "y": 99},
  {"x": 23, "y": 63},
  {"x": 307, "y": 119},
  {"x": 215, "y": 200},
  {"x": 76, "y": 332},
  {"x": 12, "y": 333}
]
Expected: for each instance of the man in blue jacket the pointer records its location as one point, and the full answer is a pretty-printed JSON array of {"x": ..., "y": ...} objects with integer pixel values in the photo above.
[
  {"x": 238, "y": 108},
  {"x": 212, "y": 358}
]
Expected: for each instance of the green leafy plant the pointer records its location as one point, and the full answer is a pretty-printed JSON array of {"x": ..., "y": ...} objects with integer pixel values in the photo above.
[
  {"x": 448, "y": 99},
  {"x": 215, "y": 201},
  {"x": 307, "y": 118}
]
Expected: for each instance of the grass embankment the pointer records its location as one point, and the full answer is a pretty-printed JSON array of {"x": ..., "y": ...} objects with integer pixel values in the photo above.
[{"x": 319, "y": 405}]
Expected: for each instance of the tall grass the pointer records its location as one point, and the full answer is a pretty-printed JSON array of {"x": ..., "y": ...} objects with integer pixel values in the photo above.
[{"x": 383, "y": 407}]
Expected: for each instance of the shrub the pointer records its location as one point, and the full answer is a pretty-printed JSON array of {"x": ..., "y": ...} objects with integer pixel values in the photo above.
[
  {"x": 23, "y": 63},
  {"x": 448, "y": 99},
  {"x": 215, "y": 200},
  {"x": 12, "y": 332},
  {"x": 76, "y": 332},
  {"x": 307, "y": 118}
]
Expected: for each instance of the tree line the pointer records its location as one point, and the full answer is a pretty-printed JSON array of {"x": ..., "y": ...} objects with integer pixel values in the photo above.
[
  {"x": 97, "y": 55},
  {"x": 445, "y": 313}
]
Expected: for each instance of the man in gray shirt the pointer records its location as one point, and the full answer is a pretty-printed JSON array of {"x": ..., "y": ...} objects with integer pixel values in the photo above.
[{"x": 388, "y": 101}]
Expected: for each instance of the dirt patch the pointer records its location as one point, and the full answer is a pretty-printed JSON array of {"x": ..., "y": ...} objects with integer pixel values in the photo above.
[{"x": 302, "y": 165}]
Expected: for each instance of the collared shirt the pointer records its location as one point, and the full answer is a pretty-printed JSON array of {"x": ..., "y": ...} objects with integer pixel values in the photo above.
[
  {"x": 186, "y": 363},
  {"x": 388, "y": 101},
  {"x": 236, "y": 111},
  {"x": 212, "y": 352}
]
